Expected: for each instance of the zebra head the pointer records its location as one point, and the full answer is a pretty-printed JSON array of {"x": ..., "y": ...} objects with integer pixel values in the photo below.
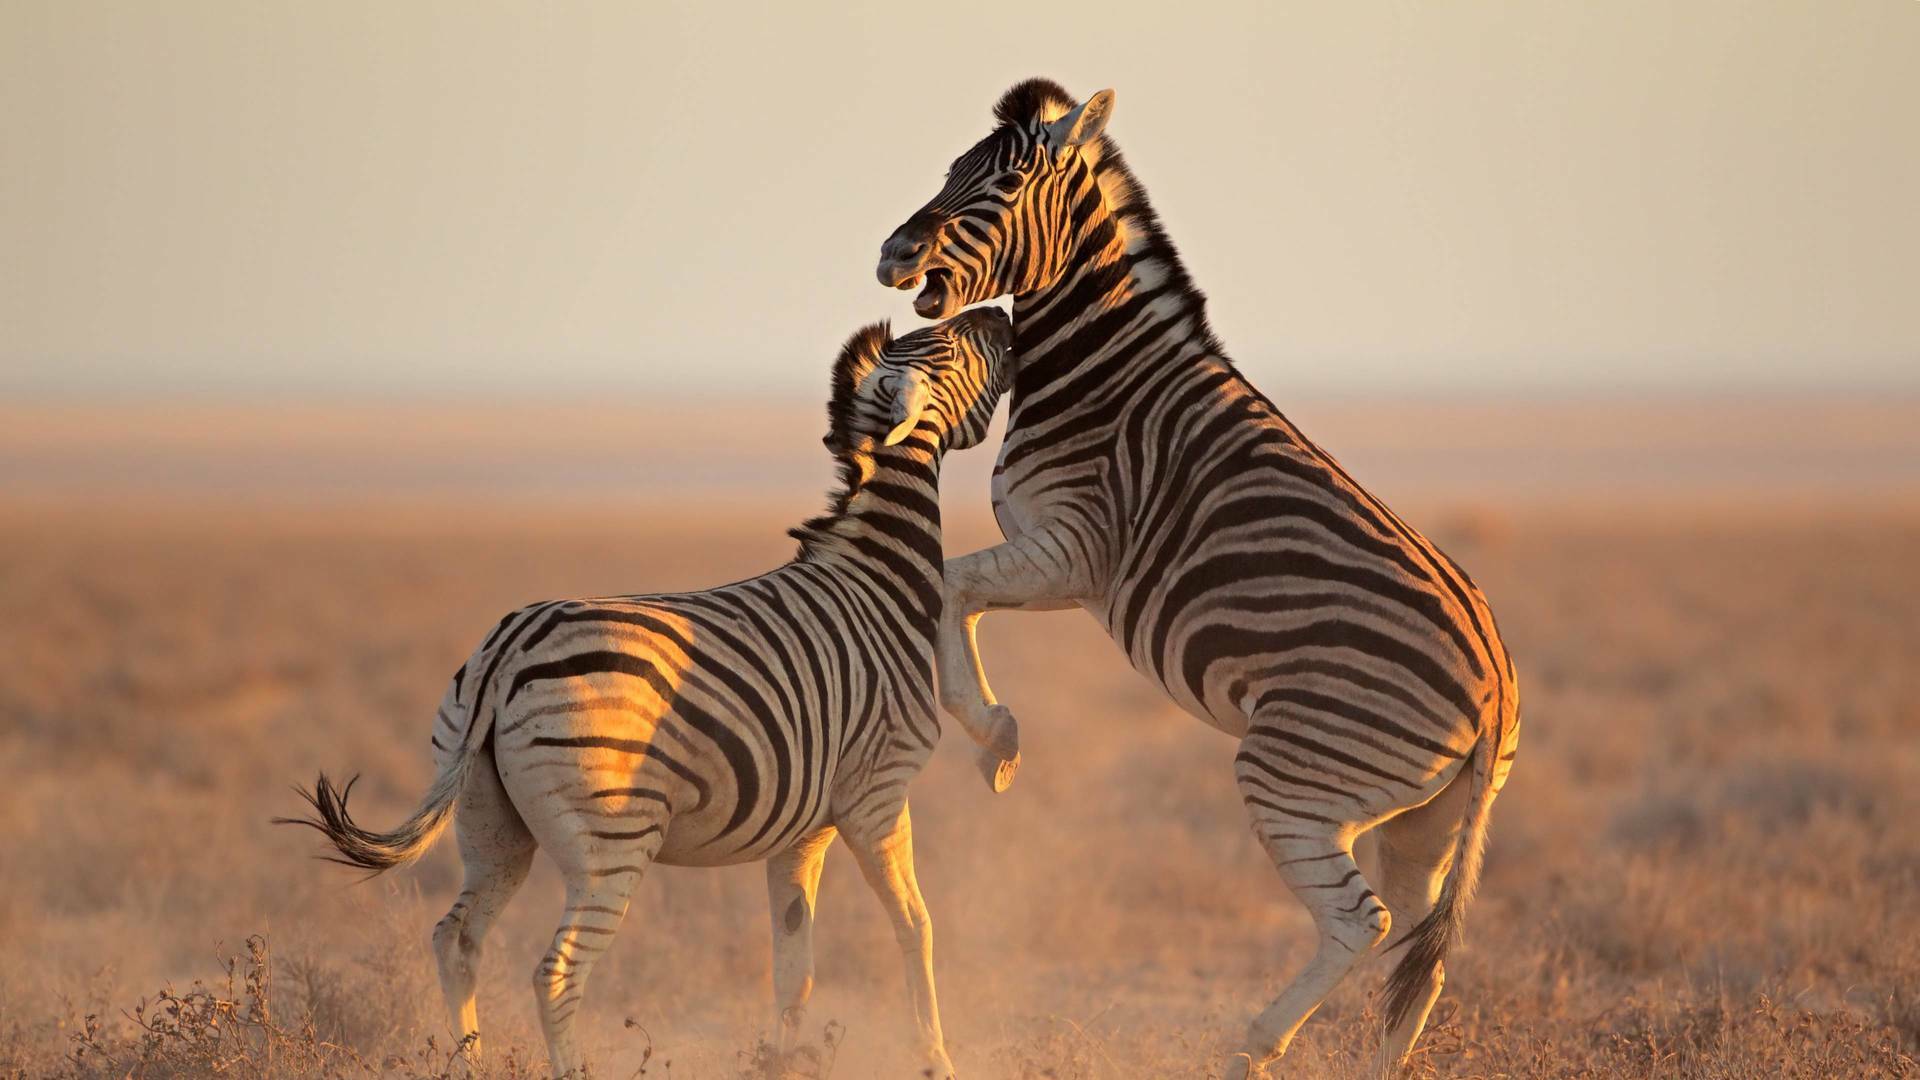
[
  {"x": 943, "y": 380},
  {"x": 1007, "y": 220}
]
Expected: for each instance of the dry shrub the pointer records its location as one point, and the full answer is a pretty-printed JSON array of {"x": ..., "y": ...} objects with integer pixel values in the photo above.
[
  {"x": 239, "y": 1027},
  {"x": 1762, "y": 1037},
  {"x": 225, "y": 1030}
]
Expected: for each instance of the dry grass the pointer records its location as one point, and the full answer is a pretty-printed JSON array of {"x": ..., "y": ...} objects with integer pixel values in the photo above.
[{"x": 1707, "y": 863}]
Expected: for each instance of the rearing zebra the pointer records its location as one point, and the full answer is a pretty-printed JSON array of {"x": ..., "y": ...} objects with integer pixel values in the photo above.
[
  {"x": 747, "y": 722},
  {"x": 1235, "y": 562}
]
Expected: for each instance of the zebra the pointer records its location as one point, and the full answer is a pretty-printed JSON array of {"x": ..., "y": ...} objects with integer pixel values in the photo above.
[
  {"x": 1236, "y": 564},
  {"x": 754, "y": 721}
]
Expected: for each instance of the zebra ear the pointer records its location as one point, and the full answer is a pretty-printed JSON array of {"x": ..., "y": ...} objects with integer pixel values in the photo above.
[
  {"x": 1083, "y": 123},
  {"x": 910, "y": 401}
]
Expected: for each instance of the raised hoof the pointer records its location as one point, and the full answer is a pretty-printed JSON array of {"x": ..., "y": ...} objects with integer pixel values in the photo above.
[
  {"x": 1002, "y": 733},
  {"x": 999, "y": 774}
]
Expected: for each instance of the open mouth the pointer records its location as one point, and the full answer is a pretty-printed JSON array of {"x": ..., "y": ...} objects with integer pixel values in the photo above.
[{"x": 936, "y": 299}]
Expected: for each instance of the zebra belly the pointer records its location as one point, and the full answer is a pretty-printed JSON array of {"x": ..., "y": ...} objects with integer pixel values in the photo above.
[
  {"x": 1227, "y": 667},
  {"x": 596, "y": 787},
  {"x": 1389, "y": 755},
  {"x": 690, "y": 849}
]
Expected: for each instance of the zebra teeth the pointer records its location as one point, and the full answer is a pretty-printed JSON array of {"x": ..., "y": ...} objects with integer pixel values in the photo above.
[
  {"x": 935, "y": 301},
  {"x": 909, "y": 284}
]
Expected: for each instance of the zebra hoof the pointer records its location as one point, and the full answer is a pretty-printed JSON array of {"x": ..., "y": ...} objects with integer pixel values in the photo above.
[
  {"x": 1242, "y": 1067},
  {"x": 1002, "y": 733},
  {"x": 998, "y": 773}
]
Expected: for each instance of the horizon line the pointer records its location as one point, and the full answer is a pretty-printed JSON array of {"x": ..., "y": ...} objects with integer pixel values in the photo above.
[{"x": 626, "y": 395}]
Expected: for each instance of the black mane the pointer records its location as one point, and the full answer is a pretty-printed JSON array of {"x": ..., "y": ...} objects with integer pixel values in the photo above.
[
  {"x": 1032, "y": 99},
  {"x": 857, "y": 358}
]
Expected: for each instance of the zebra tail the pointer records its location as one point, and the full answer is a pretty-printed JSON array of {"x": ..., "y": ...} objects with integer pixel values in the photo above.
[
  {"x": 1430, "y": 939},
  {"x": 381, "y": 851}
]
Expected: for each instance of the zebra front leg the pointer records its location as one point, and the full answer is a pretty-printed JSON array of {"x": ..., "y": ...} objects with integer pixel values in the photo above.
[
  {"x": 885, "y": 855},
  {"x": 793, "y": 882},
  {"x": 989, "y": 723},
  {"x": 1042, "y": 569}
]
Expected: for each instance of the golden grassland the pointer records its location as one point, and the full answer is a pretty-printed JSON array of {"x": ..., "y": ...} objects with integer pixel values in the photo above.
[{"x": 1707, "y": 863}]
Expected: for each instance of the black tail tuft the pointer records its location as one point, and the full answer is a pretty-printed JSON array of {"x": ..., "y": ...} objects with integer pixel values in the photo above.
[
  {"x": 359, "y": 847},
  {"x": 1426, "y": 947}
]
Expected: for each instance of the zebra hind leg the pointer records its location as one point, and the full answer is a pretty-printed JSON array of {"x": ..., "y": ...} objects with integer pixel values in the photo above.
[
  {"x": 1415, "y": 853},
  {"x": 1312, "y": 850},
  {"x": 496, "y": 850},
  {"x": 596, "y": 904}
]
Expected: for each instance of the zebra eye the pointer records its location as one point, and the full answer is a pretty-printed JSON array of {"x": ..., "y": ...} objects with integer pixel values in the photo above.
[{"x": 1007, "y": 184}]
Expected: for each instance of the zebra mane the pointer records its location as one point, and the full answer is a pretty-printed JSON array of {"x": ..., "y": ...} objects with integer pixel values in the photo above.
[
  {"x": 1034, "y": 99},
  {"x": 857, "y": 358},
  {"x": 1045, "y": 100}
]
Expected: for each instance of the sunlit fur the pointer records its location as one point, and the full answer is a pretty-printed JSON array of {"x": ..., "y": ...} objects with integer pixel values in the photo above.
[
  {"x": 754, "y": 721},
  {"x": 1234, "y": 561}
]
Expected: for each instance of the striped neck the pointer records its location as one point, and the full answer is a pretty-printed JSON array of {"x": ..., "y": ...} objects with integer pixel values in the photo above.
[
  {"x": 1124, "y": 299},
  {"x": 885, "y": 521}
]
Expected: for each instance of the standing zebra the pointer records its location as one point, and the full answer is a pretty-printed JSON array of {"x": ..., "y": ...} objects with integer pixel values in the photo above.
[
  {"x": 749, "y": 722},
  {"x": 1236, "y": 564}
]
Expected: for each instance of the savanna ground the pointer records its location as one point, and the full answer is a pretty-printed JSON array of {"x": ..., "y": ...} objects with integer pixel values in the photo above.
[{"x": 1707, "y": 862}]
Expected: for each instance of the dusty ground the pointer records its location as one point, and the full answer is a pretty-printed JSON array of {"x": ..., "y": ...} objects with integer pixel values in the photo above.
[{"x": 1707, "y": 863}]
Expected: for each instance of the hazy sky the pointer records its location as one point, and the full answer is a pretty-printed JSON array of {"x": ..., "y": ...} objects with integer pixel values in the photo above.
[{"x": 553, "y": 200}]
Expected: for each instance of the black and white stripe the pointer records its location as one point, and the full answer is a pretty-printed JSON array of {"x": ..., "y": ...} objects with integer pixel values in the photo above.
[
  {"x": 754, "y": 721},
  {"x": 1234, "y": 561}
]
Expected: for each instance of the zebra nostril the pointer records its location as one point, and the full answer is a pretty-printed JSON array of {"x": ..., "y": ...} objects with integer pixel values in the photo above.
[{"x": 903, "y": 256}]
